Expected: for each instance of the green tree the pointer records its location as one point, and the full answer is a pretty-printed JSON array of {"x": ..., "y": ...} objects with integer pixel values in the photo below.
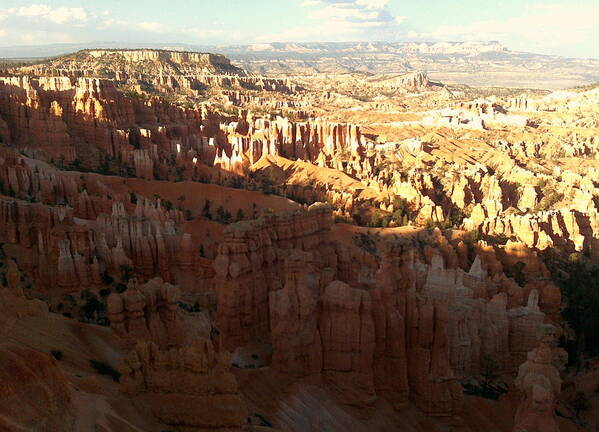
[
  {"x": 181, "y": 198},
  {"x": 240, "y": 215},
  {"x": 580, "y": 403},
  {"x": 206, "y": 210},
  {"x": 126, "y": 272},
  {"x": 222, "y": 215},
  {"x": 488, "y": 371}
]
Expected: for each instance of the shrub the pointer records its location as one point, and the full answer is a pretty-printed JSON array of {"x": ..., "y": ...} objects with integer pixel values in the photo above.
[
  {"x": 578, "y": 278},
  {"x": 240, "y": 215},
  {"x": 236, "y": 182},
  {"x": 365, "y": 242},
  {"x": 548, "y": 201},
  {"x": 400, "y": 212},
  {"x": 517, "y": 273},
  {"x": 487, "y": 392},
  {"x": 126, "y": 272},
  {"x": 474, "y": 236},
  {"x": 580, "y": 403},
  {"x": 430, "y": 224},
  {"x": 489, "y": 371},
  {"x": 206, "y": 210},
  {"x": 106, "y": 278},
  {"x": 456, "y": 216},
  {"x": 104, "y": 368},
  {"x": 376, "y": 220},
  {"x": 190, "y": 308},
  {"x": 92, "y": 308},
  {"x": 120, "y": 288},
  {"x": 223, "y": 215},
  {"x": 104, "y": 292},
  {"x": 264, "y": 422}
]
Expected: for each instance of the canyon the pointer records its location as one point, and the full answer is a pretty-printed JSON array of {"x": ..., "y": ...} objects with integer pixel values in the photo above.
[{"x": 190, "y": 245}]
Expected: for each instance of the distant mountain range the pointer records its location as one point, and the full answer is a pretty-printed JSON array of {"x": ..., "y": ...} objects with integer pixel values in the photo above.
[{"x": 472, "y": 63}]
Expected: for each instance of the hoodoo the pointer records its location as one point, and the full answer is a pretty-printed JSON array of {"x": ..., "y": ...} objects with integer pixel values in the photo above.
[{"x": 296, "y": 236}]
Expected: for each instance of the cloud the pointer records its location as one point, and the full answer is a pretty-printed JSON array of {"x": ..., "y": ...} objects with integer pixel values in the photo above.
[
  {"x": 61, "y": 15},
  {"x": 31, "y": 11},
  {"x": 552, "y": 28},
  {"x": 342, "y": 19},
  {"x": 373, "y": 4},
  {"x": 46, "y": 23},
  {"x": 152, "y": 27}
]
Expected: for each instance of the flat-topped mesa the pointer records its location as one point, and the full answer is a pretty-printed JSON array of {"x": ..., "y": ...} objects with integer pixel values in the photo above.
[
  {"x": 181, "y": 57},
  {"x": 468, "y": 48},
  {"x": 188, "y": 73},
  {"x": 85, "y": 62}
]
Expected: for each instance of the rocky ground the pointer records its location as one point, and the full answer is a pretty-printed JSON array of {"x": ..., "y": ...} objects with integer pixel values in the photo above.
[{"x": 189, "y": 246}]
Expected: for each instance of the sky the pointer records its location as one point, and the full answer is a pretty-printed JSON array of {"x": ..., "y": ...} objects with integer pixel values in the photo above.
[{"x": 562, "y": 27}]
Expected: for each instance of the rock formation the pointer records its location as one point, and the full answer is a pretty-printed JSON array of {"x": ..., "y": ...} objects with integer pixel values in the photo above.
[
  {"x": 35, "y": 392},
  {"x": 190, "y": 387},
  {"x": 174, "y": 209},
  {"x": 540, "y": 383},
  {"x": 412, "y": 332},
  {"x": 148, "y": 312}
]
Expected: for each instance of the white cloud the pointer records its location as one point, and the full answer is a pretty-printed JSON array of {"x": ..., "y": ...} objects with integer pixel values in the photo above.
[
  {"x": 152, "y": 26},
  {"x": 342, "y": 19},
  {"x": 31, "y": 11},
  {"x": 46, "y": 23},
  {"x": 557, "y": 28},
  {"x": 65, "y": 15},
  {"x": 373, "y": 4},
  {"x": 61, "y": 15}
]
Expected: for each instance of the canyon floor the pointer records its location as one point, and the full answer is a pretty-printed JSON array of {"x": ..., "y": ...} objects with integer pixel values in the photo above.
[{"x": 188, "y": 245}]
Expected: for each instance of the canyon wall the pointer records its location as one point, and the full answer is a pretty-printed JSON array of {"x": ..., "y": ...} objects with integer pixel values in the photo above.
[{"x": 410, "y": 328}]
